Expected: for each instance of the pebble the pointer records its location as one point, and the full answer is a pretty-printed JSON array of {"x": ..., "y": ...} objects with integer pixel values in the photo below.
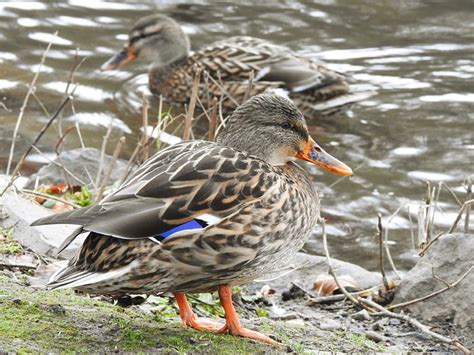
[
  {"x": 361, "y": 315},
  {"x": 296, "y": 322},
  {"x": 330, "y": 324},
  {"x": 394, "y": 321}
]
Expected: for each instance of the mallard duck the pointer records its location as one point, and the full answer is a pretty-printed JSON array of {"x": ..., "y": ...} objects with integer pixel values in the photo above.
[
  {"x": 229, "y": 64},
  {"x": 200, "y": 216}
]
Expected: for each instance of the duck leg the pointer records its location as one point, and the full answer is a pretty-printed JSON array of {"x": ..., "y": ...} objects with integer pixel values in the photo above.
[
  {"x": 189, "y": 318},
  {"x": 232, "y": 324}
]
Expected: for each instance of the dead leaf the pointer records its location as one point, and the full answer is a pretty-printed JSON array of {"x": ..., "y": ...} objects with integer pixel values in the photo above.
[
  {"x": 57, "y": 189},
  {"x": 266, "y": 291},
  {"x": 325, "y": 284},
  {"x": 61, "y": 207}
]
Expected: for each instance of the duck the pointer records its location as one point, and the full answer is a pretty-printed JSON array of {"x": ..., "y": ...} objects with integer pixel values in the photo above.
[
  {"x": 201, "y": 216},
  {"x": 230, "y": 66}
]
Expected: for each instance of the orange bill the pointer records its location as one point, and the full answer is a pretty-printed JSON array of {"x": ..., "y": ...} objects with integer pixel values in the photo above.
[
  {"x": 313, "y": 153},
  {"x": 119, "y": 60}
]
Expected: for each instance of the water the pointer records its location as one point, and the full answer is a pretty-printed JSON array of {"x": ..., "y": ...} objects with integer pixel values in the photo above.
[{"x": 418, "y": 55}]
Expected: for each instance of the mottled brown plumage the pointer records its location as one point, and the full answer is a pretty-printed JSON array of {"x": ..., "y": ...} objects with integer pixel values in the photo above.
[
  {"x": 254, "y": 208},
  {"x": 228, "y": 67}
]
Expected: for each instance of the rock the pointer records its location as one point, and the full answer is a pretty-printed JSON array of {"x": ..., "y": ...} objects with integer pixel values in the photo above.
[
  {"x": 43, "y": 240},
  {"x": 308, "y": 267},
  {"x": 361, "y": 315},
  {"x": 449, "y": 257},
  {"x": 330, "y": 324},
  {"x": 81, "y": 165}
]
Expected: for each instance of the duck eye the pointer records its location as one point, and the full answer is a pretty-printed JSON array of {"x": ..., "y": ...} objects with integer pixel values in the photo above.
[{"x": 286, "y": 125}]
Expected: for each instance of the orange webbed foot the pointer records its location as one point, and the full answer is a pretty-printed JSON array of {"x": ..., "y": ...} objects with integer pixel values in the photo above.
[
  {"x": 189, "y": 318},
  {"x": 233, "y": 325}
]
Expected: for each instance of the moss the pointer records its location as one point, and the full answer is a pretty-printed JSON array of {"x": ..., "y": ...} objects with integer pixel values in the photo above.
[
  {"x": 35, "y": 320},
  {"x": 61, "y": 321}
]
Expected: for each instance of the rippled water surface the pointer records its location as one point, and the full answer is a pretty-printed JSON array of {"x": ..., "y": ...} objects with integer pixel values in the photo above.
[{"x": 418, "y": 56}]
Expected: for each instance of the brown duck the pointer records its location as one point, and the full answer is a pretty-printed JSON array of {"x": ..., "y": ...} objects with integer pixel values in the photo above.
[
  {"x": 229, "y": 66},
  {"x": 200, "y": 216}
]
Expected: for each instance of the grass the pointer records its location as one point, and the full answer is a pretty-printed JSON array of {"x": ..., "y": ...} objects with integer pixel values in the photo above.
[
  {"x": 36, "y": 320},
  {"x": 61, "y": 321},
  {"x": 8, "y": 246}
]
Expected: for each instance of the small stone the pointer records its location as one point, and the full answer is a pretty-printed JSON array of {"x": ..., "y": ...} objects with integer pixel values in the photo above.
[
  {"x": 296, "y": 322},
  {"x": 330, "y": 324},
  {"x": 378, "y": 326},
  {"x": 374, "y": 336},
  {"x": 361, "y": 315},
  {"x": 394, "y": 322}
]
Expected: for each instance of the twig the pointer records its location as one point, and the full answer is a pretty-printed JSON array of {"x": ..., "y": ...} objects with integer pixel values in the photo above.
[
  {"x": 427, "y": 246},
  {"x": 70, "y": 81},
  {"x": 38, "y": 137},
  {"x": 340, "y": 297},
  {"x": 49, "y": 197},
  {"x": 19, "y": 266},
  {"x": 412, "y": 232},
  {"x": 249, "y": 87},
  {"x": 413, "y": 322},
  {"x": 381, "y": 253},
  {"x": 342, "y": 178},
  {"x": 192, "y": 104},
  {"x": 130, "y": 162},
  {"x": 435, "y": 293},
  {"x": 102, "y": 155},
  {"x": 146, "y": 149},
  {"x": 333, "y": 273},
  {"x": 468, "y": 209},
  {"x": 370, "y": 305},
  {"x": 109, "y": 170},
  {"x": 458, "y": 217},
  {"x": 387, "y": 249},
  {"x": 213, "y": 120},
  {"x": 25, "y": 103}
]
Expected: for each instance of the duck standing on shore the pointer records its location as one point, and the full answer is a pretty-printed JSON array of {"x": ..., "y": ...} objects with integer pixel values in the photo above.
[
  {"x": 230, "y": 65},
  {"x": 201, "y": 216}
]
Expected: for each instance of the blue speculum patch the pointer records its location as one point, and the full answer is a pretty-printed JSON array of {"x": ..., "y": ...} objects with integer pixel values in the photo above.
[{"x": 193, "y": 224}]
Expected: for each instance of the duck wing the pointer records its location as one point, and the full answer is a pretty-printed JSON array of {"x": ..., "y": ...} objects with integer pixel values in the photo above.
[
  {"x": 278, "y": 66},
  {"x": 188, "y": 185}
]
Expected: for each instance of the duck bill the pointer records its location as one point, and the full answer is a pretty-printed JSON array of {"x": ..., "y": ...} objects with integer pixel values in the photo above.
[
  {"x": 119, "y": 60},
  {"x": 316, "y": 155}
]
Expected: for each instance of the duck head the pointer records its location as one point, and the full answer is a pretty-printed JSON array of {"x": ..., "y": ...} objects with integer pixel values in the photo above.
[
  {"x": 156, "y": 38},
  {"x": 272, "y": 128}
]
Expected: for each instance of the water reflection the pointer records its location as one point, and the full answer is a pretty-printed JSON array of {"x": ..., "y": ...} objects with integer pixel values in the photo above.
[{"x": 419, "y": 57}]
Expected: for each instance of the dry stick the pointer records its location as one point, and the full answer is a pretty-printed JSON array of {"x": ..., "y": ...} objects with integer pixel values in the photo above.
[
  {"x": 336, "y": 298},
  {"x": 109, "y": 170},
  {"x": 69, "y": 172},
  {"x": 429, "y": 198},
  {"x": 468, "y": 209},
  {"x": 370, "y": 305},
  {"x": 443, "y": 184},
  {"x": 413, "y": 322},
  {"x": 213, "y": 120},
  {"x": 49, "y": 197},
  {"x": 458, "y": 217},
  {"x": 102, "y": 155},
  {"x": 435, "y": 293},
  {"x": 192, "y": 104},
  {"x": 25, "y": 103},
  {"x": 333, "y": 273},
  {"x": 427, "y": 246},
  {"x": 222, "y": 89},
  {"x": 412, "y": 233},
  {"x": 38, "y": 137},
  {"x": 249, "y": 87},
  {"x": 381, "y": 253},
  {"x": 70, "y": 81},
  {"x": 347, "y": 176},
  {"x": 387, "y": 248},
  {"x": 146, "y": 149}
]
